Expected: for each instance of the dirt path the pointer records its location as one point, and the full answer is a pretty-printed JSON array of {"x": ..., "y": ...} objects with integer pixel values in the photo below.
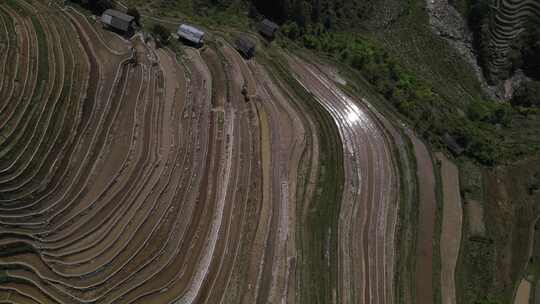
[
  {"x": 451, "y": 228},
  {"x": 523, "y": 293}
]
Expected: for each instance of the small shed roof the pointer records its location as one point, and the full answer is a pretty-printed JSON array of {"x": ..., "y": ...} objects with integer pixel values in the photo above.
[
  {"x": 245, "y": 45},
  {"x": 117, "y": 19},
  {"x": 268, "y": 28},
  {"x": 190, "y": 33}
]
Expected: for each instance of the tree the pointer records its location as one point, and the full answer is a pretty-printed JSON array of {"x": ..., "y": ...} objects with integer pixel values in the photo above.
[
  {"x": 302, "y": 13},
  {"x": 161, "y": 33},
  {"x": 99, "y": 6},
  {"x": 96, "y": 6},
  {"x": 132, "y": 11},
  {"x": 291, "y": 30},
  {"x": 528, "y": 95}
]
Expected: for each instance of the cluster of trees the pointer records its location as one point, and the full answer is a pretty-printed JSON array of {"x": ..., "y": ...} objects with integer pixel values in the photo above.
[
  {"x": 96, "y": 6},
  {"x": 306, "y": 13},
  {"x": 528, "y": 95},
  {"x": 132, "y": 11},
  {"x": 161, "y": 34}
]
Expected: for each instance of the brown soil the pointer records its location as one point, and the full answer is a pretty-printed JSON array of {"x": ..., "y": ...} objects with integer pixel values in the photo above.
[
  {"x": 523, "y": 293},
  {"x": 426, "y": 222}
]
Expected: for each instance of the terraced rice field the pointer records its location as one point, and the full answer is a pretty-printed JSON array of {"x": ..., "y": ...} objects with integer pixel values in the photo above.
[
  {"x": 130, "y": 174},
  {"x": 505, "y": 26}
]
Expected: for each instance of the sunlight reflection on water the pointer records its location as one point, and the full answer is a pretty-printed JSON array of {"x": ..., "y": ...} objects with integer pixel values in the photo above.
[{"x": 352, "y": 117}]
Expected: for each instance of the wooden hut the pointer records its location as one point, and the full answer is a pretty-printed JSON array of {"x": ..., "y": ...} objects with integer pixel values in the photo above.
[
  {"x": 245, "y": 46},
  {"x": 118, "y": 21},
  {"x": 268, "y": 29}
]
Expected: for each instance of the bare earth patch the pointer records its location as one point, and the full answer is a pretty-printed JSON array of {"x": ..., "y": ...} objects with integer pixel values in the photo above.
[
  {"x": 426, "y": 222},
  {"x": 523, "y": 292}
]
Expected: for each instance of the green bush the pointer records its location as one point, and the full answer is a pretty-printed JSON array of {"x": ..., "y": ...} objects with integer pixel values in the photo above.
[
  {"x": 135, "y": 14},
  {"x": 161, "y": 33},
  {"x": 528, "y": 95},
  {"x": 291, "y": 30},
  {"x": 96, "y": 6}
]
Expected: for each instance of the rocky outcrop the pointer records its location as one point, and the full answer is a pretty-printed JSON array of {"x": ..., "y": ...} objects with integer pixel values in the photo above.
[
  {"x": 506, "y": 23},
  {"x": 448, "y": 23}
]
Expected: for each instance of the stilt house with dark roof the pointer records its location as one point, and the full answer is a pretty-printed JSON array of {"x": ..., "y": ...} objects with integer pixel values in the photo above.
[
  {"x": 268, "y": 29},
  {"x": 245, "y": 46},
  {"x": 118, "y": 21}
]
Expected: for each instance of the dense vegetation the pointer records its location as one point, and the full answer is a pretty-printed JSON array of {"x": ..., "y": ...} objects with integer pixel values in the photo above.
[
  {"x": 528, "y": 95},
  {"x": 329, "y": 13},
  {"x": 161, "y": 33},
  {"x": 96, "y": 6}
]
